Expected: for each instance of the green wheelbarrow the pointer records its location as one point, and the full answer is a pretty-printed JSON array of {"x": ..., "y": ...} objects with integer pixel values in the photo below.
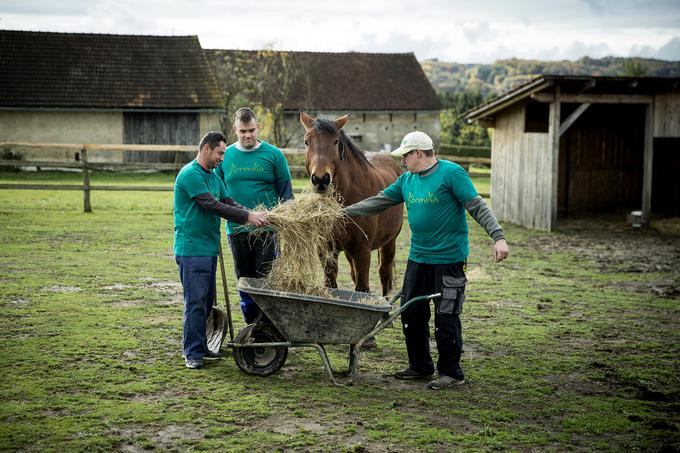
[{"x": 297, "y": 320}]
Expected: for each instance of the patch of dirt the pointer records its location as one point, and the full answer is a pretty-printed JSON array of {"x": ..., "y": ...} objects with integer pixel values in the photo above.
[
  {"x": 171, "y": 285},
  {"x": 157, "y": 397},
  {"x": 156, "y": 320},
  {"x": 338, "y": 429},
  {"x": 618, "y": 248},
  {"x": 171, "y": 289},
  {"x": 472, "y": 352},
  {"x": 576, "y": 383},
  {"x": 62, "y": 289},
  {"x": 177, "y": 299},
  {"x": 128, "y": 303},
  {"x": 116, "y": 287},
  {"x": 56, "y": 412},
  {"x": 285, "y": 425},
  {"x": 18, "y": 302},
  {"x": 165, "y": 438}
]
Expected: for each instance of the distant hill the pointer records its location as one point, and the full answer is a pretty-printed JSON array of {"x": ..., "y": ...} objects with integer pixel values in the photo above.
[{"x": 504, "y": 75}]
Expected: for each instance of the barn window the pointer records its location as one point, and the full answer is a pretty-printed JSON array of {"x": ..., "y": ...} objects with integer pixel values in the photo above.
[
  {"x": 363, "y": 117},
  {"x": 537, "y": 117},
  {"x": 390, "y": 117},
  {"x": 415, "y": 117},
  {"x": 356, "y": 138}
]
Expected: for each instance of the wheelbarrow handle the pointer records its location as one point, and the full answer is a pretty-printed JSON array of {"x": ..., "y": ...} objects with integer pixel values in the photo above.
[{"x": 394, "y": 315}]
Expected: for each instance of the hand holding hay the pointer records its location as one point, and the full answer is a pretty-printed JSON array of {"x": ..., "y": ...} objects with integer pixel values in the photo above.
[{"x": 305, "y": 227}]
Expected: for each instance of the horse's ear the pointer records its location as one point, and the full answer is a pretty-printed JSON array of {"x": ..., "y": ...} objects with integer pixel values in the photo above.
[
  {"x": 306, "y": 120},
  {"x": 341, "y": 121}
]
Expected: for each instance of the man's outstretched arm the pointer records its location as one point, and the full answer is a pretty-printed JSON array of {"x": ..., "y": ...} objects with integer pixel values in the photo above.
[{"x": 483, "y": 215}]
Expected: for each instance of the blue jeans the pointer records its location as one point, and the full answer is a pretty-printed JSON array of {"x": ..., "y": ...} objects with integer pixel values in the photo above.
[{"x": 197, "y": 274}]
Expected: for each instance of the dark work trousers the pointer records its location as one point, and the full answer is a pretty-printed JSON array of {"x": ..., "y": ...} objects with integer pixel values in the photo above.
[
  {"x": 253, "y": 256},
  {"x": 419, "y": 280}
]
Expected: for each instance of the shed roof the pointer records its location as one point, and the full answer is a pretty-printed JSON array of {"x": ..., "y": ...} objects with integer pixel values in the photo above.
[
  {"x": 79, "y": 70},
  {"x": 350, "y": 81},
  {"x": 576, "y": 85}
]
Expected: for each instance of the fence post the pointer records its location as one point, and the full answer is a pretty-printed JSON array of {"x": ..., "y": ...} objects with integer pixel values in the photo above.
[{"x": 87, "y": 207}]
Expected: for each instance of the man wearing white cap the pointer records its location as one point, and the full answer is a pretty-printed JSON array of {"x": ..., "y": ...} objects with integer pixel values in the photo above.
[{"x": 437, "y": 193}]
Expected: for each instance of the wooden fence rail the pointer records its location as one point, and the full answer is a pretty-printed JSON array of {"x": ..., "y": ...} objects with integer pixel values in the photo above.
[{"x": 81, "y": 162}]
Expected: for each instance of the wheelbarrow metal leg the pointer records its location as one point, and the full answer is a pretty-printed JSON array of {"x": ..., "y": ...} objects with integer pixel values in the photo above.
[{"x": 327, "y": 365}]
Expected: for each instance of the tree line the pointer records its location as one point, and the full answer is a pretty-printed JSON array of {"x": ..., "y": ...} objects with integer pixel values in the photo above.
[
  {"x": 462, "y": 87},
  {"x": 265, "y": 79}
]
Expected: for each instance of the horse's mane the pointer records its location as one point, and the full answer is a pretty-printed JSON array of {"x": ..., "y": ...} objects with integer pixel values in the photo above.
[{"x": 326, "y": 125}]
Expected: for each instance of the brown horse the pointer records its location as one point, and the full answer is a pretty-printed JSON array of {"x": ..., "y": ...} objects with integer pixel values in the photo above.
[{"x": 332, "y": 158}]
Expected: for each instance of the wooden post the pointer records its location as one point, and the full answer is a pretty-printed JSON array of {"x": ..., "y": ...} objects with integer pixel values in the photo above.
[
  {"x": 554, "y": 145},
  {"x": 87, "y": 207},
  {"x": 648, "y": 159}
]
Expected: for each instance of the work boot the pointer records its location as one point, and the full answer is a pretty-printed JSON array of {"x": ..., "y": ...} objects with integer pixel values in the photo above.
[
  {"x": 212, "y": 356},
  {"x": 410, "y": 373}
]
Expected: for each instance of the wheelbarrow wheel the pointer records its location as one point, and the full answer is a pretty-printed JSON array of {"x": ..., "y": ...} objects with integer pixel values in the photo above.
[{"x": 261, "y": 361}]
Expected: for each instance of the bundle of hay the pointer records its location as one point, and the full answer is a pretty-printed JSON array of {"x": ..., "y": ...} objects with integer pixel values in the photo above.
[{"x": 305, "y": 227}]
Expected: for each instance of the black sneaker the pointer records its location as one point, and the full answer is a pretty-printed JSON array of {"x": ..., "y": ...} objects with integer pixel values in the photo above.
[
  {"x": 211, "y": 356},
  {"x": 193, "y": 363},
  {"x": 410, "y": 373}
]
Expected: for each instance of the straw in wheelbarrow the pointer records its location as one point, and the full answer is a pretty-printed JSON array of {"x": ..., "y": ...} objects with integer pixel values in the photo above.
[{"x": 305, "y": 227}]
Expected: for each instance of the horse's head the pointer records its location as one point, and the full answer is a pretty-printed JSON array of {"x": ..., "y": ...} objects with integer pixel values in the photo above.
[{"x": 325, "y": 148}]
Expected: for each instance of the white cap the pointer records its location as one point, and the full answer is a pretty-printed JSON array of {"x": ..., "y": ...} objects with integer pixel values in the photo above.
[{"x": 413, "y": 140}]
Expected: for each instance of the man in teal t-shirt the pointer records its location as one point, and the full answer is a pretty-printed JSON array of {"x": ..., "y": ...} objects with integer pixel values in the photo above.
[
  {"x": 437, "y": 194},
  {"x": 200, "y": 200},
  {"x": 255, "y": 173}
]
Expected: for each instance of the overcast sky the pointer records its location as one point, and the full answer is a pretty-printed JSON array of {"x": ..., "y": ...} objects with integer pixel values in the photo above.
[{"x": 470, "y": 31}]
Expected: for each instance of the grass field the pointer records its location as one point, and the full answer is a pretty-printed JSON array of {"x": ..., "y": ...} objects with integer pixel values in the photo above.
[{"x": 573, "y": 343}]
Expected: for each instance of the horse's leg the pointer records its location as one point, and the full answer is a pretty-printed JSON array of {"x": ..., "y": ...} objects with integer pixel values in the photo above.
[
  {"x": 361, "y": 260},
  {"x": 386, "y": 255},
  {"x": 331, "y": 271},
  {"x": 361, "y": 266},
  {"x": 352, "y": 269}
]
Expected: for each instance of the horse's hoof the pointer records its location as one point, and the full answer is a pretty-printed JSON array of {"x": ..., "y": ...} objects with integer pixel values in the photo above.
[{"x": 370, "y": 344}]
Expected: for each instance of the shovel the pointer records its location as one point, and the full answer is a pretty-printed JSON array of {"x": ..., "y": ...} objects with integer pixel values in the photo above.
[{"x": 218, "y": 319}]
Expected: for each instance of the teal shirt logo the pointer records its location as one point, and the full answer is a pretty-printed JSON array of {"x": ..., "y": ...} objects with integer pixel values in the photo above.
[
  {"x": 255, "y": 168},
  {"x": 430, "y": 198}
]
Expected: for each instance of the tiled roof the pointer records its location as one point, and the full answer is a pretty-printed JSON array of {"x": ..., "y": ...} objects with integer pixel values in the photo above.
[
  {"x": 576, "y": 84},
  {"x": 348, "y": 81},
  {"x": 39, "y": 69}
]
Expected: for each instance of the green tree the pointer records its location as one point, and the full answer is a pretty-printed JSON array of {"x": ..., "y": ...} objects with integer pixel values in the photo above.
[
  {"x": 262, "y": 80},
  {"x": 454, "y": 129},
  {"x": 635, "y": 68}
]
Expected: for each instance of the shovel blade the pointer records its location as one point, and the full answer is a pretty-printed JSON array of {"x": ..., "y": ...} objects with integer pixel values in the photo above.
[{"x": 216, "y": 329}]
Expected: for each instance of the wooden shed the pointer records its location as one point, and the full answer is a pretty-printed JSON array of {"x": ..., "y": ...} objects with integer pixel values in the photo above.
[
  {"x": 567, "y": 145},
  {"x": 98, "y": 88}
]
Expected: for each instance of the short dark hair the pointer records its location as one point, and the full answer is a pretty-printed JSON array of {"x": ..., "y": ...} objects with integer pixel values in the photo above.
[
  {"x": 428, "y": 152},
  {"x": 244, "y": 115},
  {"x": 212, "y": 138}
]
